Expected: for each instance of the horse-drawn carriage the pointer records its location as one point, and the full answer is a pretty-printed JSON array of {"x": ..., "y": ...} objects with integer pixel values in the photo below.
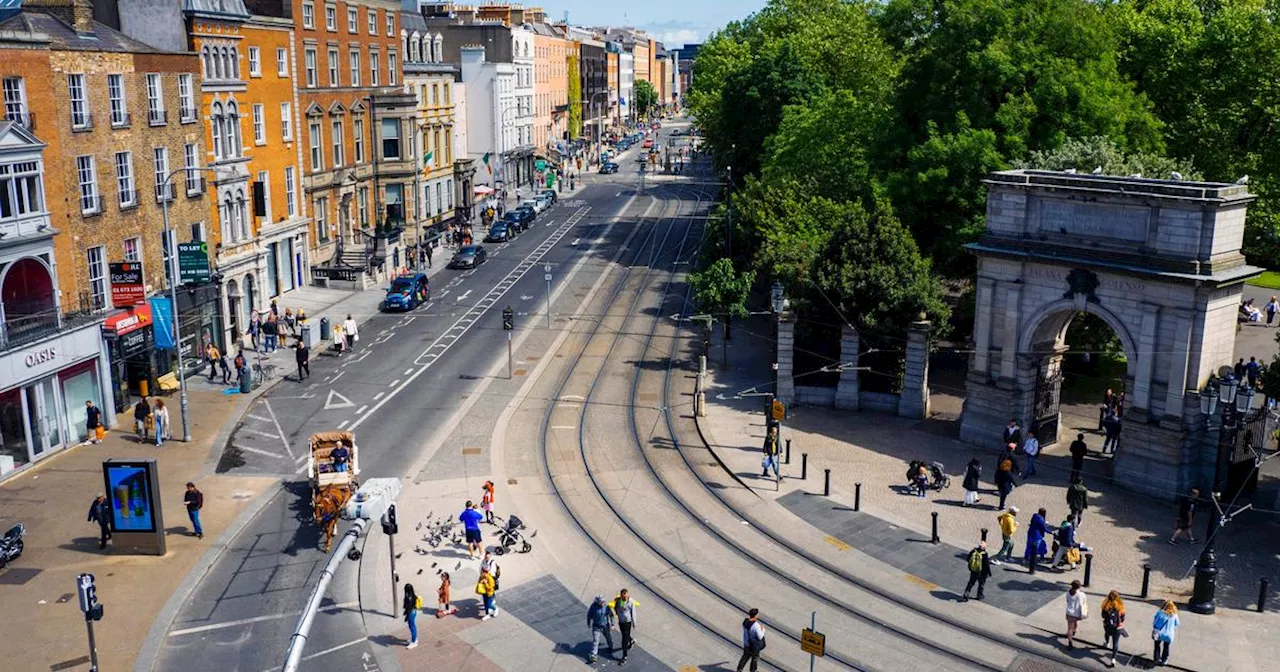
[{"x": 333, "y": 467}]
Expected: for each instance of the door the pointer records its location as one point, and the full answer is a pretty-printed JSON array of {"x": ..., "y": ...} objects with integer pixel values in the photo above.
[
  {"x": 273, "y": 270},
  {"x": 46, "y": 431},
  {"x": 1048, "y": 392}
]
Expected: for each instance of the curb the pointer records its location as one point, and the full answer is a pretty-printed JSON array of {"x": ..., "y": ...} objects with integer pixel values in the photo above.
[{"x": 707, "y": 444}]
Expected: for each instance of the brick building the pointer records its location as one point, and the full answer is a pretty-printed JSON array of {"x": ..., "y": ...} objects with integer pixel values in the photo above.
[{"x": 432, "y": 81}]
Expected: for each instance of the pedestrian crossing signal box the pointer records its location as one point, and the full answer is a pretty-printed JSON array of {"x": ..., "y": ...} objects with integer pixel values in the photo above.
[
  {"x": 508, "y": 319},
  {"x": 813, "y": 643}
]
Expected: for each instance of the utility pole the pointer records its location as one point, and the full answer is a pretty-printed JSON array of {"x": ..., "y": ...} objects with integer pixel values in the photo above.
[
  {"x": 508, "y": 325},
  {"x": 390, "y": 528},
  {"x": 547, "y": 277}
]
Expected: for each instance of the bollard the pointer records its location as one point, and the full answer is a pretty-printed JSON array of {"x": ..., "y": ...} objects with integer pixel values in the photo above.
[
  {"x": 935, "y": 538},
  {"x": 826, "y": 482},
  {"x": 1264, "y": 587},
  {"x": 857, "y": 496},
  {"x": 984, "y": 534},
  {"x": 1088, "y": 568},
  {"x": 1146, "y": 580},
  {"x": 788, "y": 460},
  {"x": 804, "y": 466}
]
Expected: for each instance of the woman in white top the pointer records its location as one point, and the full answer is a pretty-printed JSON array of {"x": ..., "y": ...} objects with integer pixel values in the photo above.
[
  {"x": 161, "y": 415},
  {"x": 349, "y": 330},
  {"x": 1077, "y": 610}
]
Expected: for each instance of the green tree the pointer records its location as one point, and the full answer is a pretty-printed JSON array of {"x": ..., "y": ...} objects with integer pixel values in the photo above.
[
  {"x": 646, "y": 98},
  {"x": 720, "y": 290},
  {"x": 825, "y": 144},
  {"x": 575, "y": 100},
  {"x": 1088, "y": 154}
]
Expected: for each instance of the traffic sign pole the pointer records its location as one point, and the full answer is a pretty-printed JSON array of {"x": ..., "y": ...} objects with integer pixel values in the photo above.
[
  {"x": 171, "y": 241},
  {"x": 813, "y": 626},
  {"x": 547, "y": 276}
]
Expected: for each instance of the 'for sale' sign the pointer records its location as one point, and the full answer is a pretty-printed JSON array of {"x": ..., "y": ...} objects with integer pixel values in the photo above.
[{"x": 126, "y": 284}]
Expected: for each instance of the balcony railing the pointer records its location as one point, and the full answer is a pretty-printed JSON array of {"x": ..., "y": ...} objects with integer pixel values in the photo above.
[
  {"x": 336, "y": 273},
  {"x": 164, "y": 192},
  {"x": 121, "y": 120},
  {"x": 81, "y": 122},
  {"x": 27, "y": 327},
  {"x": 158, "y": 117},
  {"x": 128, "y": 198},
  {"x": 195, "y": 185}
]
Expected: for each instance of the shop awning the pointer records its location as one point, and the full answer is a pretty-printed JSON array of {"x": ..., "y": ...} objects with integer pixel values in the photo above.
[
  {"x": 483, "y": 190},
  {"x": 133, "y": 319}
]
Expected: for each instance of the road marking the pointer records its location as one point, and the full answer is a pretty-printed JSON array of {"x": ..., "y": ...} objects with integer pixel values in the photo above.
[
  {"x": 361, "y": 409},
  {"x": 301, "y": 457},
  {"x": 279, "y": 430},
  {"x": 257, "y": 417},
  {"x": 394, "y": 383},
  {"x": 564, "y": 427},
  {"x": 526, "y": 297},
  {"x": 339, "y": 375},
  {"x": 342, "y": 402},
  {"x": 467, "y": 274},
  {"x": 408, "y": 372},
  {"x": 840, "y": 545},
  {"x": 574, "y": 242},
  {"x": 920, "y": 582},
  {"x": 251, "y": 449},
  {"x": 461, "y": 297},
  {"x": 429, "y": 304},
  {"x": 254, "y": 619},
  {"x": 568, "y": 397},
  {"x": 378, "y": 396},
  {"x": 444, "y": 294},
  {"x": 343, "y": 424}
]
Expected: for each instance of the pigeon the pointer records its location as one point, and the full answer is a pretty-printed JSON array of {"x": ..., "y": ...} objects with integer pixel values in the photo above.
[
  {"x": 419, "y": 527},
  {"x": 1070, "y": 171},
  {"x": 419, "y": 571},
  {"x": 399, "y": 554},
  {"x": 434, "y": 564},
  {"x": 1175, "y": 175},
  {"x": 1243, "y": 180},
  {"x": 1097, "y": 171},
  {"x": 458, "y": 566}
]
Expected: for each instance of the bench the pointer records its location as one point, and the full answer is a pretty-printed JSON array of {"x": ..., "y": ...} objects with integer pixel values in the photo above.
[{"x": 168, "y": 383}]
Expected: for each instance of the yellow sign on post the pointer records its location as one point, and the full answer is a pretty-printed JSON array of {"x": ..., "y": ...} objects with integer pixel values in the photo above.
[
  {"x": 779, "y": 410},
  {"x": 813, "y": 643}
]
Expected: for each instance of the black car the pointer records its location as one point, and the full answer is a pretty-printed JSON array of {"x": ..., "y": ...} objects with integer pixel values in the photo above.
[
  {"x": 499, "y": 233},
  {"x": 608, "y": 168},
  {"x": 549, "y": 193},
  {"x": 520, "y": 217},
  {"x": 468, "y": 256}
]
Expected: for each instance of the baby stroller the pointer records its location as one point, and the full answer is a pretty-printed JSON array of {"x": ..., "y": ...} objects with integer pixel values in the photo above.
[
  {"x": 938, "y": 478},
  {"x": 510, "y": 538}
]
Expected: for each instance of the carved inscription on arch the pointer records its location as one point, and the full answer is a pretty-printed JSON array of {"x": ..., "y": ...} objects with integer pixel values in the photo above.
[{"x": 1095, "y": 220}]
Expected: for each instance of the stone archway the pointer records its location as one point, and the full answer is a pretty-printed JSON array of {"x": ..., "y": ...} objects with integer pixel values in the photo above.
[{"x": 1157, "y": 260}]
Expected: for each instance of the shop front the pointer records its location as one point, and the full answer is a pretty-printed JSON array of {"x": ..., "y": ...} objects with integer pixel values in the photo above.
[
  {"x": 135, "y": 361},
  {"x": 200, "y": 322},
  {"x": 45, "y": 387}
]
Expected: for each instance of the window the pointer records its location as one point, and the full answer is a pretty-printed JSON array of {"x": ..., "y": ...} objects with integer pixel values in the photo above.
[
  {"x": 391, "y": 68},
  {"x": 373, "y": 67},
  {"x": 373, "y": 21},
  {"x": 265, "y": 181},
  {"x": 448, "y": 190},
  {"x": 395, "y": 204},
  {"x": 282, "y": 62},
  {"x": 79, "y": 103},
  {"x": 337, "y": 142},
  {"x": 87, "y": 176},
  {"x": 322, "y": 219},
  {"x": 330, "y": 18},
  {"x": 194, "y": 180},
  {"x": 440, "y": 196},
  {"x": 286, "y": 121},
  {"x": 186, "y": 101},
  {"x": 255, "y": 62},
  {"x": 310, "y": 57},
  {"x": 290, "y": 192},
  {"x": 446, "y": 94},
  {"x": 353, "y": 24},
  {"x": 168, "y": 241},
  {"x": 15, "y": 100},
  {"x": 259, "y": 124},
  {"x": 333, "y": 66},
  {"x": 435, "y": 95},
  {"x": 20, "y": 189},
  {"x": 317, "y": 154},
  {"x": 133, "y": 249},
  {"x": 124, "y": 179},
  {"x": 155, "y": 101},
  {"x": 98, "y": 276},
  {"x": 357, "y": 130},
  {"x": 308, "y": 15},
  {"x": 390, "y": 138},
  {"x": 448, "y": 146},
  {"x": 197, "y": 232},
  {"x": 164, "y": 191},
  {"x": 115, "y": 96},
  {"x": 215, "y": 121},
  {"x": 438, "y": 156},
  {"x": 391, "y": 24},
  {"x": 364, "y": 207},
  {"x": 242, "y": 215},
  {"x": 355, "y": 67}
]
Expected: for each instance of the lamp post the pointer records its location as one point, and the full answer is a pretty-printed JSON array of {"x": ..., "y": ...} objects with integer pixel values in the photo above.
[
  {"x": 1236, "y": 400},
  {"x": 599, "y": 126},
  {"x": 777, "y": 301}
]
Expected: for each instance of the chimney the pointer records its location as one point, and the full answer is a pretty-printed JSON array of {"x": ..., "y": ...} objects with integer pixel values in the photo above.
[{"x": 76, "y": 13}]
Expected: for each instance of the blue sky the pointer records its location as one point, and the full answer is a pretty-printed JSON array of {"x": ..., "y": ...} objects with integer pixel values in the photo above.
[{"x": 673, "y": 22}]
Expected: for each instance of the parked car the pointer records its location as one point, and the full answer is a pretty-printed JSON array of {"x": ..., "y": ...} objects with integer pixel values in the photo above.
[
  {"x": 608, "y": 168},
  {"x": 550, "y": 193},
  {"x": 469, "y": 256},
  {"x": 407, "y": 292},
  {"x": 544, "y": 200},
  {"x": 499, "y": 233},
  {"x": 518, "y": 219},
  {"x": 532, "y": 203}
]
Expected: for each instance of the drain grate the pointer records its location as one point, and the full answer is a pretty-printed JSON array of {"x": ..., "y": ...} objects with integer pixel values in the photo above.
[{"x": 16, "y": 576}]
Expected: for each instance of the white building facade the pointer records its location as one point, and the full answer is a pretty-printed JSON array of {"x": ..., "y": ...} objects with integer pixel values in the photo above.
[
  {"x": 626, "y": 86},
  {"x": 489, "y": 99},
  {"x": 518, "y": 145}
]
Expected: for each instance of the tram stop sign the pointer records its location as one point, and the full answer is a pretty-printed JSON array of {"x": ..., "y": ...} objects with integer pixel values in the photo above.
[{"x": 813, "y": 643}]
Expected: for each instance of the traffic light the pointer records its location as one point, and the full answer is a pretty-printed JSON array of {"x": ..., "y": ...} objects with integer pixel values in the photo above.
[
  {"x": 389, "y": 525},
  {"x": 508, "y": 319},
  {"x": 88, "y": 594}
]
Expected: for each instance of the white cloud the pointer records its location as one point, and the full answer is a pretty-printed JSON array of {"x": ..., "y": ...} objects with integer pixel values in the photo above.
[{"x": 673, "y": 39}]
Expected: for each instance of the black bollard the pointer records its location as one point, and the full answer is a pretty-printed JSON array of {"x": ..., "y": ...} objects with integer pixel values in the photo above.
[
  {"x": 1088, "y": 568},
  {"x": 804, "y": 466},
  {"x": 984, "y": 534},
  {"x": 857, "y": 496},
  {"x": 1146, "y": 580},
  {"x": 788, "y": 460},
  {"x": 1264, "y": 588},
  {"x": 826, "y": 482},
  {"x": 935, "y": 538}
]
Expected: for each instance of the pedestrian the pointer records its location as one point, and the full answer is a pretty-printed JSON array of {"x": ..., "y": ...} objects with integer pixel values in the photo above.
[
  {"x": 288, "y": 321},
  {"x": 1032, "y": 448},
  {"x": 194, "y": 499},
  {"x": 486, "y": 563},
  {"x": 1078, "y": 451},
  {"x": 1271, "y": 308},
  {"x": 1186, "y": 516},
  {"x": 1112, "y": 610},
  {"x": 302, "y": 355},
  {"x": 753, "y": 642},
  {"x": 1252, "y": 370},
  {"x": 1238, "y": 369},
  {"x": 600, "y": 622},
  {"x": 350, "y": 331},
  {"x": 1108, "y": 402},
  {"x": 485, "y": 589},
  {"x": 922, "y": 480},
  {"x": 972, "y": 475},
  {"x": 271, "y": 334},
  {"x": 339, "y": 341},
  {"x": 1111, "y": 427},
  {"x": 1077, "y": 610},
  {"x": 1012, "y": 432},
  {"x": 486, "y": 502},
  {"x": 100, "y": 513},
  {"x": 471, "y": 526},
  {"x": 1008, "y": 526},
  {"x": 242, "y": 368},
  {"x": 1163, "y": 629},
  {"x": 1036, "y": 531},
  {"x": 979, "y": 570},
  {"x": 255, "y": 325},
  {"x": 412, "y": 603},
  {"x": 212, "y": 355},
  {"x": 1064, "y": 541},
  {"x": 624, "y": 608},
  {"x": 1005, "y": 470},
  {"x": 442, "y": 595},
  {"x": 161, "y": 415},
  {"x": 226, "y": 370},
  {"x": 427, "y": 249},
  {"x": 141, "y": 418},
  {"x": 93, "y": 422},
  {"x": 1077, "y": 501},
  {"x": 770, "y": 450}
]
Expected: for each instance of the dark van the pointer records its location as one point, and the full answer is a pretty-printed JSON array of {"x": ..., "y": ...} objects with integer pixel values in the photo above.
[{"x": 407, "y": 292}]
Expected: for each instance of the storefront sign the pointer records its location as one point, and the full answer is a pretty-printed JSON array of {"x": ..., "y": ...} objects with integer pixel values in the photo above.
[
  {"x": 126, "y": 284},
  {"x": 36, "y": 361},
  {"x": 193, "y": 262},
  {"x": 40, "y": 356},
  {"x": 123, "y": 323}
]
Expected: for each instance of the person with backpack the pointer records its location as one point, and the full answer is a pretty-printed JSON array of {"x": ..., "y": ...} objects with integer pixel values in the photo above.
[
  {"x": 1008, "y": 526},
  {"x": 600, "y": 622},
  {"x": 1112, "y": 625},
  {"x": 979, "y": 570},
  {"x": 412, "y": 604},
  {"x": 753, "y": 642},
  {"x": 972, "y": 476}
]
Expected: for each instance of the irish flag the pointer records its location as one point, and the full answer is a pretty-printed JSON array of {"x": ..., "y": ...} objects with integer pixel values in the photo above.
[{"x": 486, "y": 162}]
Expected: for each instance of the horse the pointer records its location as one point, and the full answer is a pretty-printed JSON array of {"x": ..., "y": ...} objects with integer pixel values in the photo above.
[{"x": 327, "y": 508}]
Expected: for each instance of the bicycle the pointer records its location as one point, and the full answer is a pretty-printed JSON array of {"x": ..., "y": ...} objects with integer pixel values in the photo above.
[{"x": 262, "y": 373}]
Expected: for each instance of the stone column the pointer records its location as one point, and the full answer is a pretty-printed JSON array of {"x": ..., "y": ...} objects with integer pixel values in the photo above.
[
  {"x": 1145, "y": 356},
  {"x": 847, "y": 389},
  {"x": 982, "y": 326},
  {"x": 786, "y": 365},
  {"x": 1179, "y": 363},
  {"x": 914, "y": 401},
  {"x": 1012, "y": 323}
]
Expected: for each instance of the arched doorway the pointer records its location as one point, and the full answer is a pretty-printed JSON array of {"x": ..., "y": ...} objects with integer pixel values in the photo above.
[
  {"x": 250, "y": 305},
  {"x": 30, "y": 305},
  {"x": 233, "y": 311}
]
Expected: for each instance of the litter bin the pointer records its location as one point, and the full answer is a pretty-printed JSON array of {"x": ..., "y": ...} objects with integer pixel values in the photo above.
[
  {"x": 246, "y": 382},
  {"x": 304, "y": 335},
  {"x": 326, "y": 330}
]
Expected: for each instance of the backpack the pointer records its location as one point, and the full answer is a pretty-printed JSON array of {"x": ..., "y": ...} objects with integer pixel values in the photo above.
[
  {"x": 417, "y": 602},
  {"x": 975, "y": 560}
]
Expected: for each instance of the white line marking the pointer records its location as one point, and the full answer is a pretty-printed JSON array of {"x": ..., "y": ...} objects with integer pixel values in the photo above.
[
  {"x": 250, "y": 449},
  {"x": 279, "y": 430},
  {"x": 573, "y": 396},
  {"x": 301, "y": 457},
  {"x": 394, "y": 382},
  {"x": 343, "y": 424},
  {"x": 429, "y": 304},
  {"x": 378, "y": 396},
  {"x": 339, "y": 647},
  {"x": 257, "y": 417},
  {"x": 408, "y": 372},
  {"x": 444, "y": 294},
  {"x": 462, "y": 297},
  {"x": 564, "y": 427},
  {"x": 361, "y": 409},
  {"x": 254, "y": 619},
  {"x": 339, "y": 375},
  {"x": 342, "y": 402},
  {"x": 301, "y": 468}
]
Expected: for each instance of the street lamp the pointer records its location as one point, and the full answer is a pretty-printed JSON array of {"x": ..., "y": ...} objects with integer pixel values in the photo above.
[
  {"x": 777, "y": 297},
  {"x": 1236, "y": 399}
]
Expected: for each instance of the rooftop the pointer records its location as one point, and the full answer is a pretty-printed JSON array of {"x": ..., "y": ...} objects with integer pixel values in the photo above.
[{"x": 33, "y": 26}]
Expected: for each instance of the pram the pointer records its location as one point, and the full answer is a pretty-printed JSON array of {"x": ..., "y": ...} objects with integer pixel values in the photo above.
[
  {"x": 511, "y": 538},
  {"x": 938, "y": 478}
]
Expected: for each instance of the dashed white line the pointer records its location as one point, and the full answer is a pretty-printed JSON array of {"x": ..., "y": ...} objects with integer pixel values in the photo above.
[
  {"x": 408, "y": 372},
  {"x": 259, "y": 451},
  {"x": 339, "y": 374},
  {"x": 564, "y": 427},
  {"x": 343, "y": 424},
  {"x": 361, "y": 409},
  {"x": 378, "y": 396},
  {"x": 429, "y": 304},
  {"x": 257, "y": 417},
  {"x": 394, "y": 383}
]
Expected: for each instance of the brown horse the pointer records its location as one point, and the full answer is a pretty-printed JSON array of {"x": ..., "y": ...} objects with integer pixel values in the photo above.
[{"x": 327, "y": 508}]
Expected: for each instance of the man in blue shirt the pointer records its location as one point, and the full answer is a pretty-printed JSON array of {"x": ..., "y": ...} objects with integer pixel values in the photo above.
[
  {"x": 340, "y": 456},
  {"x": 471, "y": 524}
]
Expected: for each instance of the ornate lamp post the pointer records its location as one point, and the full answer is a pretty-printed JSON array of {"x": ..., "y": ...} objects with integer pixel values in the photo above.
[{"x": 1236, "y": 400}]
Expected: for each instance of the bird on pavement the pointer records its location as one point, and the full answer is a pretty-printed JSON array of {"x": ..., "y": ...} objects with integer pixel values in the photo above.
[{"x": 1097, "y": 171}]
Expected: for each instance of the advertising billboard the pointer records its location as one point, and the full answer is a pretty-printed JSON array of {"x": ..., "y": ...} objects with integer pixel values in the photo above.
[{"x": 131, "y": 496}]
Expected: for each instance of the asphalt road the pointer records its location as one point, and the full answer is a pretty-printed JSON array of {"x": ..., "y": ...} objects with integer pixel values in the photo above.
[{"x": 409, "y": 374}]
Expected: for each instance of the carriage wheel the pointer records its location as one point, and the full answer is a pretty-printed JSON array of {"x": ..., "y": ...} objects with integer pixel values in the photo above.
[{"x": 526, "y": 548}]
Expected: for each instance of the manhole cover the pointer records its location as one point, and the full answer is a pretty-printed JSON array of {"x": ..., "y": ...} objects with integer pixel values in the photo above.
[
  {"x": 68, "y": 664},
  {"x": 16, "y": 576},
  {"x": 65, "y": 597}
]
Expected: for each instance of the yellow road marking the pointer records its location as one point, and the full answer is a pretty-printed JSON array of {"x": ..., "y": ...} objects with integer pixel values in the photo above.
[
  {"x": 920, "y": 582},
  {"x": 840, "y": 545}
]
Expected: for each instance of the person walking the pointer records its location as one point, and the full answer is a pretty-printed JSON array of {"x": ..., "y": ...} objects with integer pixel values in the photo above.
[
  {"x": 1186, "y": 516},
  {"x": 1077, "y": 610},
  {"x": 93, "y": 422},
  {"x": 1111, "y": 428},
  {"x": 302, "y": 355},
  {"x": 486, "y": 502},
  {"x": 271, "y": 333},
  {"x": 979, "y": 570},
  {"x": 100, "y": 513},
  {"x": 1032, "y": 448},
  {"x": 770, "y": 450},
  {"x": 412, "y": 604},
  {"x": 1163, "y": 629},
  {"x": 289, "y": 322},
  {"x": 753, "y": 642},
  {"x": 255, "y": 327},
  {"x": 1065, "y": 540},
  {"x": 624, "y": 608},
  {"x": 141, "y": 417},
  {"x": 1112, "y": 611},
  {"x": 1036, "y": 532},
  {"x": 194, "y": 500},
  {"x": 1077, "y": 501},
  {"x": 212, "y": 355},
  {"x": 1252, "y": 370},
  {"x": 350, "y": 330},
  {"x": 427, "y": 250},
  {"x": 471, "y": 527},
  {"x": 161, "y": 415},
  {"x": 600, "y": 622},
  {"x": 1272, "y": 307},
  {"x": 1008, "y": 521},
  {"x": 1012, "y": 433},
  {"x": 1079, "y": 449},
  {"x": 442, "y": 596},
  {"x": 226, "y": 369},
  {"x": 1005, "y": 470},
  {"x": 485, "y": 589},
  {"x": 972, "y": 477}
]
